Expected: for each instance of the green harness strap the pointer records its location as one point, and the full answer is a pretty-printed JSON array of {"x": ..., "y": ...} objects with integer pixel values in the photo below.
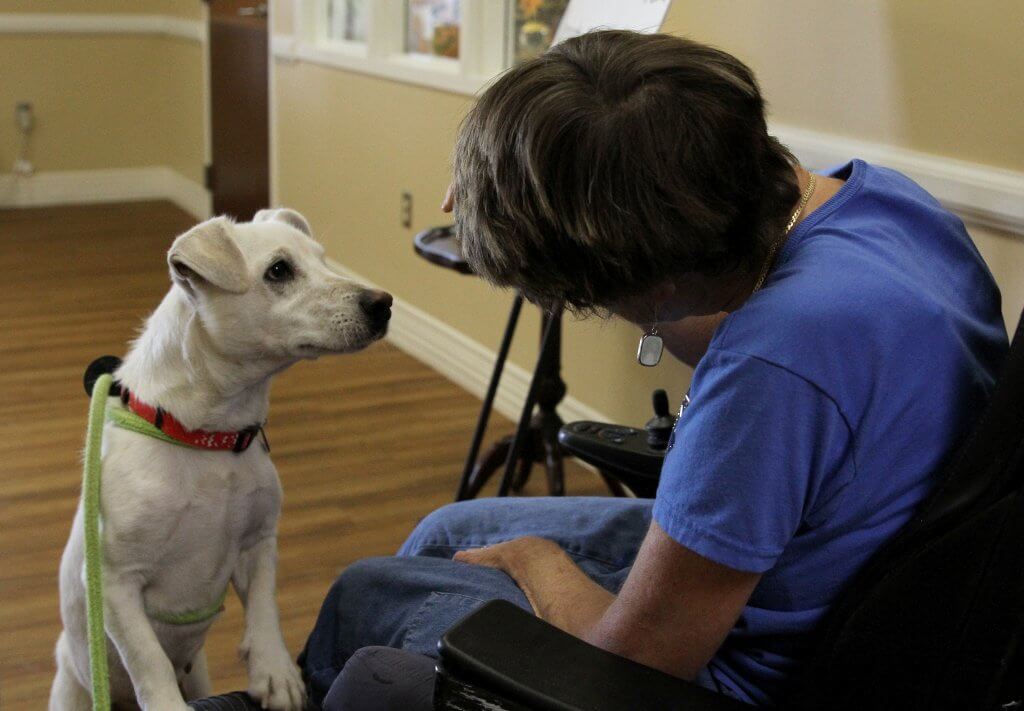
[
  {"x": 190, "y": 617},
  {"x": 128, "y": 420},
  {"x": 92, "y": 476}
]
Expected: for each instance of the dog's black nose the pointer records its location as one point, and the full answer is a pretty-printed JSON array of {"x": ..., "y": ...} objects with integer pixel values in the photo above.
[{"x": 377, "y": 306}]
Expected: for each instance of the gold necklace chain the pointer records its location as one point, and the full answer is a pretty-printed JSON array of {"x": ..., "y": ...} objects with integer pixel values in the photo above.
[{"x": 792, "y": 223}]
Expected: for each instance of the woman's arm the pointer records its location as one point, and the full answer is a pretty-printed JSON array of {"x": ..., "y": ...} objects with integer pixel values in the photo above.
[
  {"x": 675, "y": 608},
  {"x": 672, "y": 613}
]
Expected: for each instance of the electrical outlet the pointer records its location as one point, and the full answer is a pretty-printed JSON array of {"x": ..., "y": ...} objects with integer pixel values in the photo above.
[
  {"x": 23, "y": 168},
  {"x": 405, "y": 210},
  {"x": 25, "y": 120},
  {"x": 24, "y": 117}
]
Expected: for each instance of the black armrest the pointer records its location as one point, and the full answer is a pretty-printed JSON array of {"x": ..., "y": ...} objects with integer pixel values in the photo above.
[
  {"x": 501, "y": 656},
  {"x": 235, "y": 701}
]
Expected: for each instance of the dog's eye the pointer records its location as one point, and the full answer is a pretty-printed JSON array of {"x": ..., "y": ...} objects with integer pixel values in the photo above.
[{"x": 279, "y": 271}]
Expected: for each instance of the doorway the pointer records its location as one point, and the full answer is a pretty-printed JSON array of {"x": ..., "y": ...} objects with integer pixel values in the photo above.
[{"x": 239, "y": 174}]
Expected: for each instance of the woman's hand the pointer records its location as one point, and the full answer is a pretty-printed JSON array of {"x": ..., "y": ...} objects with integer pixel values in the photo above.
[
  {"x": 513, "y": 557},
  {"x": 556, "y": 589}
]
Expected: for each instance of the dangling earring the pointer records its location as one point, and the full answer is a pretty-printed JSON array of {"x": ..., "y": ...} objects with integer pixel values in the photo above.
[{"x": 648, "y": 353}]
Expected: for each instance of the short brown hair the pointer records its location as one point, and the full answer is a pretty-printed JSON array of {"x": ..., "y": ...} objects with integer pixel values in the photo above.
[{"x": 616, "y": 161}]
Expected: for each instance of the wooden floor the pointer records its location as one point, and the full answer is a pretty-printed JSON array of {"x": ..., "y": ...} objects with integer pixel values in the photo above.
[{"x": 366, "y": 444}]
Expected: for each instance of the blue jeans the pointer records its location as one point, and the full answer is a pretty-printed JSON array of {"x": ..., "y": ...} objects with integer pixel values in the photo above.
[{"x": 410, "y": 600}]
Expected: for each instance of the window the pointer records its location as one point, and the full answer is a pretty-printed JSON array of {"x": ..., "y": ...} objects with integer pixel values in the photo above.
[
  {"x": 456, "y": 45},
  {"x": 447, "y": 44},
  {"x": 534, "y": 27},
  {"x": 347, "y": 20},
  {"x": 432, "y": 27}
]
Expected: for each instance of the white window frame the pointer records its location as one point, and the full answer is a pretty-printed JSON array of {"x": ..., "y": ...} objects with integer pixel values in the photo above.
[
  {"x": 483, "y": 45},
  {"x": 320, "y": 37}
]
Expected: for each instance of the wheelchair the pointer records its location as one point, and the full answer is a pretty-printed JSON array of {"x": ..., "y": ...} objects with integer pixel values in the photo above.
[{"x": 934, "y": 621}]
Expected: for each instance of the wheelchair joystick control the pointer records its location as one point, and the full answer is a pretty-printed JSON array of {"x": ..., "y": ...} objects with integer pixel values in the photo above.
[
  {"x": 659, "y": 427},
  {"x": 628, "y": 455}
]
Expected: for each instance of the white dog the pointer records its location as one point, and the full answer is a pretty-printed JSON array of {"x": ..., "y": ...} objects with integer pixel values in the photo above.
[{"x": 181, "y": 522}]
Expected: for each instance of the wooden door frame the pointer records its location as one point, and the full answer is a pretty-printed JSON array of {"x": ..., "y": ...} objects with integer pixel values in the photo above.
[
  {"x": 208, "y": 106},
  {"x": 272, "y": 106},
  {"x": 207, "y": 109}
]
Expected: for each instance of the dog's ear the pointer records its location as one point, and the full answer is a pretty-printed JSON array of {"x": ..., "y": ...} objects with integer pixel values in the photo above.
[
  {"x": 208, "y": 254},
  {"x": 286, "y": 215}
]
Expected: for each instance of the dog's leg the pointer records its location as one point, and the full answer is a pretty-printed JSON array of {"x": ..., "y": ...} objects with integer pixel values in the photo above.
[
  {"x": 274, "y": 680},
  {"x": 196, "y": 684},
  {"x": 67, "y": 694},
  {"x": 151, "y": 672}
]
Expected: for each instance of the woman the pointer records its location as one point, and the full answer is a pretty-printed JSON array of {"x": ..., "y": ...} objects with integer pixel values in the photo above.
[{"x": 845, "y": 333}]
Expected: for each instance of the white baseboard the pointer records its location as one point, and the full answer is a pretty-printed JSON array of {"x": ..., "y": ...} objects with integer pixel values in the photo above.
[
  {"x": 464, "y": 361},
  {"x": 33, "y": 23},
  {"x": 107, "y": 185}
]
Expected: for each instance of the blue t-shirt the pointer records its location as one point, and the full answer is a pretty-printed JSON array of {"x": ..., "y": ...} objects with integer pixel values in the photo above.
[{"x": 825, "y": 407}]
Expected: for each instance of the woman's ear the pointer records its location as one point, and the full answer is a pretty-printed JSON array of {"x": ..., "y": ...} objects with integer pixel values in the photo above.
[
  {"x": 286, "y": 215},
  {"x": 207, "y": 255}
]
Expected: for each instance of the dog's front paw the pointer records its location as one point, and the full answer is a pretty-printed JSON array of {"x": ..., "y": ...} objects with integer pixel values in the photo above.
[{"x": 274, "y": 680}]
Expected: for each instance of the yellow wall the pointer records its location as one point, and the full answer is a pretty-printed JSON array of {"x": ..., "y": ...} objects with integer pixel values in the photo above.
[
  {"x": 176, "y": 8},
  {"x": 942, "y": 76},
  {"x": 283, "y": 17},
  {"x": 349, "y": 144},
  {"x": 105, "y": 100}
]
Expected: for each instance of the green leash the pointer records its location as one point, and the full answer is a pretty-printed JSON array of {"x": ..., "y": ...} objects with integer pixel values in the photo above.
[
  {"x": 93, "y": 550},
  {"x": 92, "y": 476}
]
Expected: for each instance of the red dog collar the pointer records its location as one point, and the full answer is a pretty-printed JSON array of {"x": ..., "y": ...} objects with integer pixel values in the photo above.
[{"x": 165, "y": 422}]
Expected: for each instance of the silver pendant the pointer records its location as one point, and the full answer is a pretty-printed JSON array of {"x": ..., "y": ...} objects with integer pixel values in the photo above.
[{"x": 650, "y": 349}]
